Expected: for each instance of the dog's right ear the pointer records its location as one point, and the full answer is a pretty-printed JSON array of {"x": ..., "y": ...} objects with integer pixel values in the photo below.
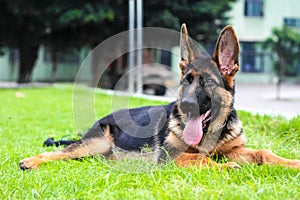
[{"x": 188, "y": 50}]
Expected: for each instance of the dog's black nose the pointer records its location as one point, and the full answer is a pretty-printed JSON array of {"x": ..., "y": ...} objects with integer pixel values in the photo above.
[{"x": 189, "y": 104}]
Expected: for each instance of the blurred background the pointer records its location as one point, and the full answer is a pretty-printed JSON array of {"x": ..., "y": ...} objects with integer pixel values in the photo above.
[{"x": 46, "y": 42}]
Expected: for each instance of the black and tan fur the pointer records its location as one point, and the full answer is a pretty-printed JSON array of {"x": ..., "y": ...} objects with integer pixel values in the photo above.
[{"x": 206, "y": 89}]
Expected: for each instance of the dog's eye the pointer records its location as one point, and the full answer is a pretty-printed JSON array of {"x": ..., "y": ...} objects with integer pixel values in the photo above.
[
  {"x": 188, "y": 79},
  {"x": 209, "y": 83},
  {"x": 185, "y": 82}
]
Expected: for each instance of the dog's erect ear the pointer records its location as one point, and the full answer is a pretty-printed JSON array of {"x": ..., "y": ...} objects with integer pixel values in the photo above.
[
  {"x": 226, "y": 54},
  {"x": 188, "y": 49}
]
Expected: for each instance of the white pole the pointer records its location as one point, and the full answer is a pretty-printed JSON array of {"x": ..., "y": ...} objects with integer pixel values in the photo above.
[
  {"x": 139, "y": 46},
  {"x": 131, "y": 46}
]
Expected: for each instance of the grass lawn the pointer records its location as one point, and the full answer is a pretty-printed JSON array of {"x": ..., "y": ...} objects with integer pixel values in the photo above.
[{"x": 25, "y": 122}]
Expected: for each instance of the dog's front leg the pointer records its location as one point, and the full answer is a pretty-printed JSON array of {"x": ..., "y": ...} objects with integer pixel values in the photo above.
[
  {"x": 199, "y": 160},
  {"x": 186, "y": 156},
  {"x": 260, "y": 157}
]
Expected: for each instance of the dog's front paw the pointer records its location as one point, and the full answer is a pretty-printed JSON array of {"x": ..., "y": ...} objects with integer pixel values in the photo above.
[
  {"x": 294, "y": 164},
  {"x": 231, "y": 165},
  {"x": 29, "y": 163}
]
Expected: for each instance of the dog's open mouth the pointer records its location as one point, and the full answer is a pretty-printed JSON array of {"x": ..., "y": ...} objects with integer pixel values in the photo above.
[{"x": 193, "y": 131}]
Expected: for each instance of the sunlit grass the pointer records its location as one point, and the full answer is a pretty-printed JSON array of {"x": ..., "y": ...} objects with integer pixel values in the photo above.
[{"x": 25, "y": 122}]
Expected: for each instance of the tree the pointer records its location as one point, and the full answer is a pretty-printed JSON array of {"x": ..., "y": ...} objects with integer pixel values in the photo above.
[
  {"x": 285, "y": 45},
  {"x": 204, "y": 18},
  {"x": 22, "y": 27},
  {"x": 26, "y": 25},
  {"x": 78, "y": 24},
  {"x": 70, "y": 24}
]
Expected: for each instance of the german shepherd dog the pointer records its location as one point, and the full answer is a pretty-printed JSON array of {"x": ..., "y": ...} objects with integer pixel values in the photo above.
[{"x": 200, "y": 126}]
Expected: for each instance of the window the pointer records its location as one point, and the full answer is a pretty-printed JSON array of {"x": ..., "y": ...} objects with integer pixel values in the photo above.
[
  {"x": 252, "y": 59},
  {"x": 292, "y": 22},
  {"x": 254, "y": 8}
]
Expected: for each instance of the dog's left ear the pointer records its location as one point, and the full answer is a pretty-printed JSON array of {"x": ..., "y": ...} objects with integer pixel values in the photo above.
[
  {"x": 226, "y": 54},
  {"x": 188, "y": 50}
]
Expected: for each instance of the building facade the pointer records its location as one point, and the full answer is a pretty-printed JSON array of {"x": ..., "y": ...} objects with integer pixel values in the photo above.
[{"x": 253, "y": 21}]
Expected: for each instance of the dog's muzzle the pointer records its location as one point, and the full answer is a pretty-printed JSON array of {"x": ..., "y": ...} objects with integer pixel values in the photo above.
[{"x": 189, "y": 105}]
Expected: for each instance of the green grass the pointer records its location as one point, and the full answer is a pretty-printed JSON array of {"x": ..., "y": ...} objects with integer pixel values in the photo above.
[{"x": 26, "y": 122}]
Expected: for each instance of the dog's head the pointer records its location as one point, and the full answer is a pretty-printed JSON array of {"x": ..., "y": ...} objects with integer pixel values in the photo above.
[{"x": 207, "y": 84}]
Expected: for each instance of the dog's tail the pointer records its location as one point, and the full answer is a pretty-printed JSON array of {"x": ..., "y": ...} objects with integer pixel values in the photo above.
[
  {"x": 95, "y": 132},
  {"x": 50, "y": 142}
]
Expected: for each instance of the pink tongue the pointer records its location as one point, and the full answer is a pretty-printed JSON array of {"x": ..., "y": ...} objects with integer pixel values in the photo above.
[{"x": 192, "y": 133}]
